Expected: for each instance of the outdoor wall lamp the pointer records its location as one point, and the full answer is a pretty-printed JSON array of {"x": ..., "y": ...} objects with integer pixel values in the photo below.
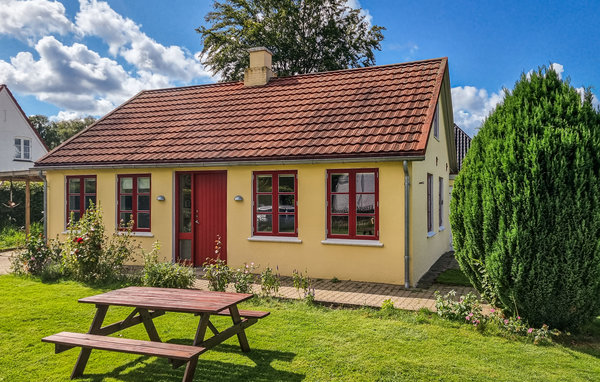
[
  {"x": 238, "y": 198},
  {"x": 160, "y": 198}
]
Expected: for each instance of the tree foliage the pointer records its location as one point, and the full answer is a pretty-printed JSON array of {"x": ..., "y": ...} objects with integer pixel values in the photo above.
[
  {"x": 305, "y": 36},
  {"x": 525, "y": 210},
  {"x": 55, "y": 133}
]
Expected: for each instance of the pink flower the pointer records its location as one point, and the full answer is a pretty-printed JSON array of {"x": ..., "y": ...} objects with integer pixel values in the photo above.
[
  {"x": 467, "y": 318},
  {"x": 518, "y": 317},
  {"x": 505, "y": 322},
  {"x": 492, "y": 310},
  {"x": 529, "y": 331}
]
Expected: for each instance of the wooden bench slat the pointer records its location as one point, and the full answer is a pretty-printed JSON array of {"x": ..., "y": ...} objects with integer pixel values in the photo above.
[
  {"x": 126, "y": 345},
  {"x": 245, "y": 313}
]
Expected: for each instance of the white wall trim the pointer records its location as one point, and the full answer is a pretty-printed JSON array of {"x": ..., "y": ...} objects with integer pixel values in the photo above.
[
  {"x": 360, "y": 243},
  {"x": 276, "y": 239}
]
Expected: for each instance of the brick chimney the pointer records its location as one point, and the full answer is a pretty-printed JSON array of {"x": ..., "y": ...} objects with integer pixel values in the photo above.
[{"x": 259, "y": 73}]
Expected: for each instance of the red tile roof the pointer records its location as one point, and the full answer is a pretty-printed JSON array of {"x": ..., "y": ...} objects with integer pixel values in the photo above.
[{"x": 366, "y": 112}]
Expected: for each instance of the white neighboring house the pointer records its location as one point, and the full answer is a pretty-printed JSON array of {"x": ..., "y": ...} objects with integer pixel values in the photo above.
[{"x": 20, "y": 143}]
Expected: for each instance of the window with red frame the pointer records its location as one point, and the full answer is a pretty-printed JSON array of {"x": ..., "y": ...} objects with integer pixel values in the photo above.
[
  {"x": 81, "y": 192},
  {"x": 275, "y": 202},
  {"x": 134, "y": 201},
  {"x": 353, "y": 204}
]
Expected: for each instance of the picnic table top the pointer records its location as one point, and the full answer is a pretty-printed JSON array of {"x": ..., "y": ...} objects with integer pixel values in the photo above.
[{"x": 167, "y": 299}]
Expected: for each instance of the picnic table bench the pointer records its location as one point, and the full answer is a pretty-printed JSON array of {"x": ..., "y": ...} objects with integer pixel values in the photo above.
[{"x": 149, "y": 303}]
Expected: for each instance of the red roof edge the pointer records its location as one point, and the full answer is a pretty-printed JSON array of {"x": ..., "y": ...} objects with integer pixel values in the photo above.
[
  {"x": 87, "y": 128},
  {"x": 434, "y": 99},
  {"x": 25, "y": 116}
]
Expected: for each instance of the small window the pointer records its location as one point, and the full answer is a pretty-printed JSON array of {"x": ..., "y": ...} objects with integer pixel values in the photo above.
[
  {"x": 275, "y": 203},
  {"x": 429, "y": 203},
  {"x": 441, "y": 201},
  {"x": 134, "y": 201},
  {"x": 353, "y": 204},
  {"x": 81, "y": 193},
  {"x": 23, "y": 148},
  {"x": 436, "y": 123}
]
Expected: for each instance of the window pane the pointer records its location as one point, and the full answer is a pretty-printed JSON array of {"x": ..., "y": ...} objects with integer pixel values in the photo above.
[
  {"x": 264, "y": 223},
  {"x": 365, "y": 225},
  {"x": 143, "y": 184},
  {"x": 89, "y": 185},
  {"x": 264, "y": 183},
  {"x": 17, "y": 148},
  {"x": 74, "y": 186},
  {"x": 26, "y": 149},
  {"x": 126, "y": 203},
  {"x": 185, "y": 250},
  {"x": 339, "y": 204},
  {"x": 286, "y": 223},
  {"x": 339, "y": 182},
  {"x": 74, "y": 201},
  {"x": 365, "y": 203},
  {"x": 143, "y": 203},
  {"x": 286, "y": 183},
  {"x": 286, "y": 203},
  {"x": 185, "y": 203},
  {"x": 76, "y": 216},
  {"x": 143, "y": 220},
  {"x": 89, "y": 200},
  {"x": 265, "y": 203},
  {"x": 365, "y": 182},
  {"x": 339, "y": 225},
  {"x": 126, "y": 185},
  {"x": 124, "y": 218}
]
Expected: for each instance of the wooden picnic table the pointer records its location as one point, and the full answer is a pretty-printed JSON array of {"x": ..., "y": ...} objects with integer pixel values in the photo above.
[{"x": 149, "y": 303}]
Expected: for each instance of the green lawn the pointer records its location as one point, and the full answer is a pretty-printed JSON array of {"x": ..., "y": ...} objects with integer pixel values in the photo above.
[
  {"x": 297, "y": 342},
  {"x": 453, "y": 277}
]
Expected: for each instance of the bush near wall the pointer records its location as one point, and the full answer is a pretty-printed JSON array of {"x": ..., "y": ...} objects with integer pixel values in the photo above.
[
  {"x": 525, "y": 210},
  {"x": 16, "y": 216}
]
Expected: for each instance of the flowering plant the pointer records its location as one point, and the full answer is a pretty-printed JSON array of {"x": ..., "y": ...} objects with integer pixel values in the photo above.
[{"x": 243, "y": 278}]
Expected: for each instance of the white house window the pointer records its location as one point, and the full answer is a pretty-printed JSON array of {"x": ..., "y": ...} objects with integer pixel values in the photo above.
[
  {"x": 23, "y": 148},
  {"x": 436, "y": 122},
  {"x": 429, "y": 203}
]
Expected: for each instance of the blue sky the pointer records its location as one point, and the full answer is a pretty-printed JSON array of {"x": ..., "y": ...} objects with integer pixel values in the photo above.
[{"x": 73, "y": 58}]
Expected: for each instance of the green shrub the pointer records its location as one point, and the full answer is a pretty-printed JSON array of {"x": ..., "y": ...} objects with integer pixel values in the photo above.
[
  {"x": 269, "y": 282},
  {"x": 243, "y": 278},
  {"x": 303, "y": 285},
  {"x": 12, "y": 237},
  {"x": 36, "y": 256},
  {"x": 525, "y": 210},
  {"x": 166, "y": 274},
  {"x": 15, "y": 217},
  {"x": 90, "y": 255},
  {"x": 218, "y": 274}
]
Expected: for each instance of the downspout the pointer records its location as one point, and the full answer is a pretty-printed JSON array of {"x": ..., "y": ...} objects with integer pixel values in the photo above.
[
  {"x": 406, "y": 226},
  {"x": 43, "y": 178}
]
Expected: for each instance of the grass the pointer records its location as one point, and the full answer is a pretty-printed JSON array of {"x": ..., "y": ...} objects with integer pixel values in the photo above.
[
  {"x": 296, "y": 342},
  {"x": 453, "y": 277},
  {"x": 11, "y": 237}
]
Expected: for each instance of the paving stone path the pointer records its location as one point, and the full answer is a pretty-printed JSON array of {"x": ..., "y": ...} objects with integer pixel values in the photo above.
[{"x": 351, "y": 293}]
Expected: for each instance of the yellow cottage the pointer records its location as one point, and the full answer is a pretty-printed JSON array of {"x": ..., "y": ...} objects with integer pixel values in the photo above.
[{"x": 343, "y": 173}]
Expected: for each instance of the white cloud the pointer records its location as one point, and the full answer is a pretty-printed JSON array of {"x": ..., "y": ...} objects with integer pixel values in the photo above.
[
  {"x": 32, "y": 19},
  {"x": 74, "y": 78},
  {"x": 363, "y": 11},
  {"x": 125, "y": 38},
  {"x": 472, "y": 106}
]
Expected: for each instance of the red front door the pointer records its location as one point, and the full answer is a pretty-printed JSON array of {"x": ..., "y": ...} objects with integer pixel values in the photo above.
[{"x": 201, "y": 215}]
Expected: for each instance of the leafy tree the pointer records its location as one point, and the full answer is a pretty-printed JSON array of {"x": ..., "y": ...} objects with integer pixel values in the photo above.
[
  {"x": 525, "y": 210},
  {"x": 55, "y": 133},
  {"x": 305, "y": 36}
]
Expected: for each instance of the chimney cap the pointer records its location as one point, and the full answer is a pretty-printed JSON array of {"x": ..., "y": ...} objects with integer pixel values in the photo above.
[{"x": 259, "y": 49}]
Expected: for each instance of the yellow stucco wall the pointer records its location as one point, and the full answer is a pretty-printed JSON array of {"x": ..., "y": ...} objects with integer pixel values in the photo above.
[
  {"x": 425, "y": 247},
  {"x": 362, "y": 263}
]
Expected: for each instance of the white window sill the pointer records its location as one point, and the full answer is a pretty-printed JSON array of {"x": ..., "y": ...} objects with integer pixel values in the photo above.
[
  {"x": 442, "y": 228},
  {"x": 360, "y": 243},
  {"x": 276, "y": 239},
  {"x": 138, "y": 234},
  {"x": 431, "y": 234}
]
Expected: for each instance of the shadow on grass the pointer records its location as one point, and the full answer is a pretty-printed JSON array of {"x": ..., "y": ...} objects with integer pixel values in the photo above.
[
  {"x": 586, "y": 341},
  {"x": 159, "y": 369}
]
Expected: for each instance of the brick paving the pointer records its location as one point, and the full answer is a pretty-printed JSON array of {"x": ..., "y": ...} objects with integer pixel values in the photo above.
[{"x": 343, "y": 292}]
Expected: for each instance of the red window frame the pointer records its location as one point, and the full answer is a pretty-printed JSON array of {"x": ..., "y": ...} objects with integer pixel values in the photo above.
[
  {"x": 275, "y": 213},
  {"x": 134, "y": 201},
  {"x": 82, "y": 195},
  {"x": 352, "y": 213},
  {"x": 429, "y": 203}
]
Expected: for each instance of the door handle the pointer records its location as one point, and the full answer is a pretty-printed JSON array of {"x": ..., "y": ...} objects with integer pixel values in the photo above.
[{"x": 196, "y": 221}]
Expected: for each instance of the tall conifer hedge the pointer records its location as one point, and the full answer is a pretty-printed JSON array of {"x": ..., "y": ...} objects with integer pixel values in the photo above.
[{"x": 525, "y": 210}]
